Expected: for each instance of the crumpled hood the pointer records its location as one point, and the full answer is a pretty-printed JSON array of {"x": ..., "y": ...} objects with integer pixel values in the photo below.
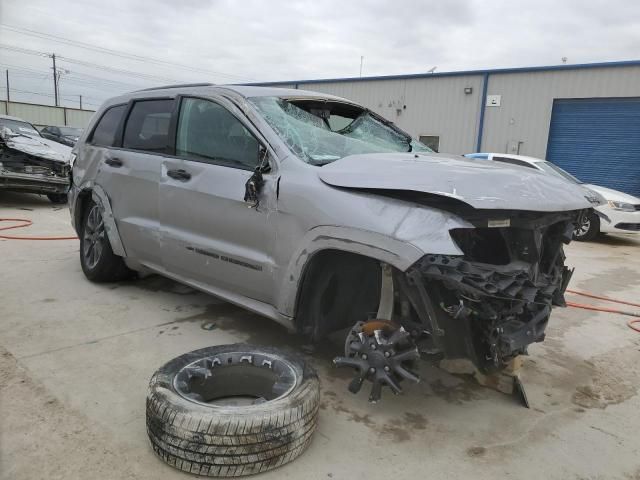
[
  {"x": 482, "y": 185},
  {"x": 36, "y": 146}
]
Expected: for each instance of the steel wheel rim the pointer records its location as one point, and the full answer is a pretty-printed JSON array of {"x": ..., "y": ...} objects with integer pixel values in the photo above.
[
  {"x": 204, "y": 381},
  {"x": 93, "y": 237}
]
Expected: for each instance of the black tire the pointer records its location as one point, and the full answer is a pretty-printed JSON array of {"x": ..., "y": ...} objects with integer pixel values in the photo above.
[
  {"x": 193, "y": 435},
  {"x": 105, "y": 266},
  {"x": 57, "y": 198},
  {"x": 589, "y": 229}
]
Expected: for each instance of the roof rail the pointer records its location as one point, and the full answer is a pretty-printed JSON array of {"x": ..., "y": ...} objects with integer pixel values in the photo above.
[{"x": 179, "y": 85}]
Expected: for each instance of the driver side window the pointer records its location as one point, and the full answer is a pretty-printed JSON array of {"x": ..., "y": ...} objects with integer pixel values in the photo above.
[{"x": 208, "y": 132}]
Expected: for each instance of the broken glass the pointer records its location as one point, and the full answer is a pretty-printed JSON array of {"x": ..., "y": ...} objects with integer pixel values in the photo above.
[{"x": 311, "y": 138}]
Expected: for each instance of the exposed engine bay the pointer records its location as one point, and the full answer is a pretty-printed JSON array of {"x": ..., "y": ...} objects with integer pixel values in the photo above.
[
  {"x": 33, "y": 164},
  {"x": 486, "y": 306}
]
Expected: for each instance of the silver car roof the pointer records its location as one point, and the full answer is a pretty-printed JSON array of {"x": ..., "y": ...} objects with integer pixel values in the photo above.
[{"x": 245, "y": 91}]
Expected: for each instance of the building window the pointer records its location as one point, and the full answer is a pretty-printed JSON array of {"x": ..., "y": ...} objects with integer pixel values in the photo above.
[{"x": 431, "y": 141}]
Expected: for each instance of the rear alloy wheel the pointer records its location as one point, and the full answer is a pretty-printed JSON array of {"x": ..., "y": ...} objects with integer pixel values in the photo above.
[
  {"x": 232, "y": 410},
  {"x": 97, "y": 259},
  {"x": 588, "y": 229}
]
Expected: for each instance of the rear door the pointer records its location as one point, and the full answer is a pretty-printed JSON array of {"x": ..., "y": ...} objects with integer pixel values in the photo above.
[
  {"x": 210, "y": 235},
  {"x": 130, "y": 175}
]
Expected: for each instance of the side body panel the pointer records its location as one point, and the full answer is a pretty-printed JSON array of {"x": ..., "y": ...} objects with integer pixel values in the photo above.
[
  {"x": 313, "y": 216},
  {"x": 133, "y": 190},
  {"x": 210, "y": 235}
]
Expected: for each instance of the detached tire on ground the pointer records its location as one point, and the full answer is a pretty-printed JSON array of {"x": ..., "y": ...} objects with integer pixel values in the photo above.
[{"x": 194, "y": 426}]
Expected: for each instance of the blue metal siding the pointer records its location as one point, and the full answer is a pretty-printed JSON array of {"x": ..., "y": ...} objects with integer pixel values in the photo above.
[{"x": 598, "y": 141}]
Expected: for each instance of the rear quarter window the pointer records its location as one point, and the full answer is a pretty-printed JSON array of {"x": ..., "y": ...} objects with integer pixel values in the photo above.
[{"x": 104, "y": 134}]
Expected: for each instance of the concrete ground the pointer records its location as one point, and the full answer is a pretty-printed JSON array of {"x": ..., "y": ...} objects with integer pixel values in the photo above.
[{"x": 75, "y": 358}]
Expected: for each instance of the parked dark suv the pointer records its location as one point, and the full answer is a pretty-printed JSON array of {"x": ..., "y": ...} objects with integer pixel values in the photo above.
[{"x": 65, "y": 135}]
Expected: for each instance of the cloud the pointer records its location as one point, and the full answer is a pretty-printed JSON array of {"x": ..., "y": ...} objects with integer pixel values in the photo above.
[{"x": 296, "y": 39}]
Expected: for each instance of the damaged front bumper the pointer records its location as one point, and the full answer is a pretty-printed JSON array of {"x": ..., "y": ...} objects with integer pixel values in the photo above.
[
  {"x": 32, "y": 164},
  {"x": 491, "y": 303},
  {"x": 20, "y": 171},
  {"x": 34, "y": 183}
]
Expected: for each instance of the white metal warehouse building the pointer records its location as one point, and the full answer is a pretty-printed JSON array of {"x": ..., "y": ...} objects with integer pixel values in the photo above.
[
  {"x": 42, "y": 115},
  {"x": 585, "y": 118}
]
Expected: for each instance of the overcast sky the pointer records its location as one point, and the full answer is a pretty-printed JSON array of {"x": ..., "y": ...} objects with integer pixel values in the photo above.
[{"x": 231, "y": 41}]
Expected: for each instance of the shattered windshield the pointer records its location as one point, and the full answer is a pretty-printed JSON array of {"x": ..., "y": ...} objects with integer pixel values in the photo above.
[
  {"x": 18, "y": 127},
  {"x": 320, "y": 132}
]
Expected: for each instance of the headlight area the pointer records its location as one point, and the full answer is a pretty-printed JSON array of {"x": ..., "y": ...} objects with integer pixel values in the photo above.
[
  {"x": 491, "y": 303},
  {"x": 623, "y": 206}
]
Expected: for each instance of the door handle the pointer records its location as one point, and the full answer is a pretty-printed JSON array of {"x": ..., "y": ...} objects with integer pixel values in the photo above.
[
  {"x": 180, "y": 174},
  {"x": 114, "y": 162}
]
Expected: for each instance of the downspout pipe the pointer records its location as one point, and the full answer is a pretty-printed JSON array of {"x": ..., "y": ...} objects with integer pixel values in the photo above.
[{"x": 483, "y": 104}]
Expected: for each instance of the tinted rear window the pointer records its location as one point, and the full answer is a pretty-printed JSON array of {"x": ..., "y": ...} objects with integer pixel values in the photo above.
[
  {"x": 147, "y": 127},
  {"x": 105, "y": 132}
]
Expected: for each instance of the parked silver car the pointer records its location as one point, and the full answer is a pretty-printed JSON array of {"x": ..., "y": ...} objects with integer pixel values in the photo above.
[{"x": 321, "y": 215}]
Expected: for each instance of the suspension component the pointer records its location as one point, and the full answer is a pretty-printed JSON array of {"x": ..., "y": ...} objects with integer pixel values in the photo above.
[{"x": 380, "y": 352}]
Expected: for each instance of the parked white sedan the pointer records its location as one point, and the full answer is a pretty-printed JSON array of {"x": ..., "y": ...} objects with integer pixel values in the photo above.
[{"x": 620, "y": 213}]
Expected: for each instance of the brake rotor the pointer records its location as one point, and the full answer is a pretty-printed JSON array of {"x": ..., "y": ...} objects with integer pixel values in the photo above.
[{"x": 381, "y": 352}]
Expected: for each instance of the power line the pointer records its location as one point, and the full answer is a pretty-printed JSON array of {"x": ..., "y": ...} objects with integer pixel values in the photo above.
[
  {"x": 116, "y": 70},
  {"x": 27, "y": 51},
  {"x": 145, "y": 76},
  {"x": 97, "y": 84},
  {"x": 117, "y": 53},
  {"x": 50, "y": 95},
  {"x": 29, "y": 73}
]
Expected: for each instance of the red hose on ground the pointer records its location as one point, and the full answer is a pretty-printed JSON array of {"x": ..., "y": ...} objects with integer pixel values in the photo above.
[
  {"x": 632, "y": 324},
  {"x": 26, "y": 223},
  {"x": 608, "y": 299}
]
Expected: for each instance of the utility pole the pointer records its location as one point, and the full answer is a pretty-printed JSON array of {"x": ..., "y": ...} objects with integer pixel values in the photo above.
[
  {"x": 55, "y": 78},
  {"x": 361, "y": 62},
  {"x": 8, "y": 96},
  {"x": 80, "y": 101}
]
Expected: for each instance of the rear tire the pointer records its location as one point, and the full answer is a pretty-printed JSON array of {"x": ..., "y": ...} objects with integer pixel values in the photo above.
[
  {"x": 589, "y": 229},
  {"x": 97, "y": 259},
  {"x": 57, "y": 198}
]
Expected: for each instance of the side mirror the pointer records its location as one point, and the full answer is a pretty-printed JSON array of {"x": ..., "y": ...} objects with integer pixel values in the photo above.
[
  {"x": 253, "y": 187},
  {"x": 256, "y": 181}
]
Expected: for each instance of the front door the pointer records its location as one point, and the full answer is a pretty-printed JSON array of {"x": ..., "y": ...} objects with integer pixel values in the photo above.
[{"x": 209, "y": 233}]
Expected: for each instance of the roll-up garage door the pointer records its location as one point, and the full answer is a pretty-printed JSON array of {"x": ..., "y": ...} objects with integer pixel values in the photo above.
[{"x": 598, "y": 141}]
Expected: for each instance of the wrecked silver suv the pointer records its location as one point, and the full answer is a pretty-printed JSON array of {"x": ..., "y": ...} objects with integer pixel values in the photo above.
[
  {"x": 321, "y": 215},
  {"x": 31, "y": 163}
]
